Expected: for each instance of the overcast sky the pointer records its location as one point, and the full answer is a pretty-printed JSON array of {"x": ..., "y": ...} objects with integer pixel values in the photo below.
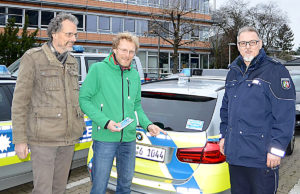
[{"x": 290, "y": 7}]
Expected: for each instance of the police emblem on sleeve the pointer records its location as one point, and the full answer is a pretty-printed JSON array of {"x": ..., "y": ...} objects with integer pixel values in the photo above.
[{"x": 285, "y": 83}]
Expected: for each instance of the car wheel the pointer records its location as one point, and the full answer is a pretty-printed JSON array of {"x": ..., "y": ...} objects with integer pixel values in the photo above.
[{"x": 290, "y": 148}]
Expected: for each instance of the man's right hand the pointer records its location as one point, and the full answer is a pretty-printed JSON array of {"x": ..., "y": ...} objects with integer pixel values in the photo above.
[
  {"x": 221, "y": 144},
  {"x": 21, "y": 150},
  {"x": 113, "y": 126}
]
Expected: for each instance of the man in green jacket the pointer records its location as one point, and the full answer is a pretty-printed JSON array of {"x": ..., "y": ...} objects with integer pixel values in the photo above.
[{"x": 110, "y": 93}]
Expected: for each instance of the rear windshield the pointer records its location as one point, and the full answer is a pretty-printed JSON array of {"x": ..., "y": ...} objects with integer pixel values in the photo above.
[
  {"x": 172, "y": 112},
  {"x": 296, "y": 80}
]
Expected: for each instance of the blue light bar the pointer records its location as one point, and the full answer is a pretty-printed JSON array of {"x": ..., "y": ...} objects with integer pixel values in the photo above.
[
  {"x": 4, "y": 71},
  {"x": 78, "y": 49}
]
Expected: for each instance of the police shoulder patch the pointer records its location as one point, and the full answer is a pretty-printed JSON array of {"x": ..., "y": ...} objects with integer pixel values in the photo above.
[{"x": 285, "y": 83}]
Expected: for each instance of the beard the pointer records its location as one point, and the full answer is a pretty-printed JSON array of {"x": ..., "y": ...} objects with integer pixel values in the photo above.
[{"x": 248, "y": 58}]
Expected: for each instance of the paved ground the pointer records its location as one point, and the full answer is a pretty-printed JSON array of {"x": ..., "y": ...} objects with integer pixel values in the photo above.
[{"x": 289, "y": 177}]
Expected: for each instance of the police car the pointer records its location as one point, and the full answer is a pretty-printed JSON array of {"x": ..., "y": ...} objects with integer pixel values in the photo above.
[
  {"x": 85, "y": 60},
  {"x": 188, "y": 158},
  {"x": 15, "y": 171}
]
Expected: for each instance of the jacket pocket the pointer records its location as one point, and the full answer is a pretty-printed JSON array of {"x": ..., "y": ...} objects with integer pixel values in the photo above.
[
  {"x": 50, "y": 79},
  {"x": 49, "y": 123},
  {"x": 79, "y": 123},
  {"x": 231, "y": 88},
  {"x": 251, "y": 144},
  {"x": 74, "y": 78}
]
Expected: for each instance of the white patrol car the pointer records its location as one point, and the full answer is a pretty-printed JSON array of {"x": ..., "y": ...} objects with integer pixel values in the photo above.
[
  {"x": 15, "y": 171},
  {"x": 85, "y": 60}
]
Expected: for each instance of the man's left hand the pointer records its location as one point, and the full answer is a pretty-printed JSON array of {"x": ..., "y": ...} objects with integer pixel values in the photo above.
[
  {"x": 154, "y": 130},
  {"x": 273, "y": 160}
]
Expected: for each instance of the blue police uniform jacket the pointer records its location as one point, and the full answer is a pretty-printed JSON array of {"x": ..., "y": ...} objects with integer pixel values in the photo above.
[{"x": 258, "y": 111}]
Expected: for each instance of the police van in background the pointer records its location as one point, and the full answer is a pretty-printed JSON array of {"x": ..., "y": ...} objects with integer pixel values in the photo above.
[{"x": 85, "y": 60}]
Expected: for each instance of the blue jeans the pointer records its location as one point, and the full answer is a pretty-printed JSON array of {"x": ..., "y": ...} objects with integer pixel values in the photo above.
[{"x": 104, "y": 153}]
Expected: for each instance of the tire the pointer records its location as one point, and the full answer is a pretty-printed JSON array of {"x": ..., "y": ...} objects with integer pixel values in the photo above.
[{"x": 291, "y": 146}]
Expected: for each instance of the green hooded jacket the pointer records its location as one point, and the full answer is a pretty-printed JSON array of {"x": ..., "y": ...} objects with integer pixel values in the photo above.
[{"x": 108, "y": 93}]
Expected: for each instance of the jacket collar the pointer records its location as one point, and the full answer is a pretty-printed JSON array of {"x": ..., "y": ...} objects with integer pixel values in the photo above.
[
  {"x": 255, "y": 63},
  {"x": 52, "y": 58},
  {"x": 113, "y": 60}
]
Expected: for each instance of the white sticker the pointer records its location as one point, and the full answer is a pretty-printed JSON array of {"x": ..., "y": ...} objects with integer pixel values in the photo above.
[{"x": 194, "y": 124}]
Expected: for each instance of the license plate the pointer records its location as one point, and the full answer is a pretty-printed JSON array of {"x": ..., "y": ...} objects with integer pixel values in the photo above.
[{"x": 150, "y": 153}]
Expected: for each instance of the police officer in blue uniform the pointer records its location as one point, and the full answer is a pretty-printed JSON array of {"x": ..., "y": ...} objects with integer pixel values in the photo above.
[{"x": 257, "y": 117}]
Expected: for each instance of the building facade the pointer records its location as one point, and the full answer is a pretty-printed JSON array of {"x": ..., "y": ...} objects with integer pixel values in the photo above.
[{"x": 101, "y": 20}]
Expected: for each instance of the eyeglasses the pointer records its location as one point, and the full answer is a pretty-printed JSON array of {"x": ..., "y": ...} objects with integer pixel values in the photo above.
[
  {"x": 251, "y": 43},
  {"x": 125, "y": 51},
  {"x": 70, "y": 34}
]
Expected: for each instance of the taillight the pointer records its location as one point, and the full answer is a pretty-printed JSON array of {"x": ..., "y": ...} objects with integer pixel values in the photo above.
[{"x": 210, "y": 154}]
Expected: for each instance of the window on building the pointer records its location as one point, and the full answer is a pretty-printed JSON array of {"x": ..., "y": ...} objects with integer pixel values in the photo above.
[
  {"x": 104, "y": 24},
  {"x": 195, "y": 33},
  {"x": 204, "y": 33},
  {"x": 152, "y": 62},
  {"x": 80, "y": 22},
  {"x": 164, "y": 3},
  {"x": 131, "y": 1},
  {"x": 195, "y": 61},
  {"x": 91, "y": 23},
  {"x": 153, "y": 3},
  {"x": 129, "y": 25},
  {"x": 46, "y": 17},
  {"x": 142, "y": 56},
  {"x": 164, "y": 62},
  {"x": 118, "y": 25},
  {"x": 17, "y": 14},
  {"x": 117, "y": 0},
  {"x": 33, "y": 18},
  {"x": 185, "y": 28},
  {"x": 184, "y": 61},
  {"x": 2, "y": 15},
  {"x": 185, "y": 4},
  {"x": 142, "y": 2},
  {"x": 204, "y": 6},
  {"x": 204, "y": 61},
  {"x": 152, "y": 28},
  {"x": 195, "y": 5},
  {"x": 141, "y": 27}
]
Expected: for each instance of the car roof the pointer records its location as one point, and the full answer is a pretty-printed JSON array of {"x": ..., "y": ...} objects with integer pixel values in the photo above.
[
  {"x": 294, "y": 71},
  {"x": 7, "y": 80},
  {"x": 196, "y": 86},
  {"x": 91, "y": 54}
]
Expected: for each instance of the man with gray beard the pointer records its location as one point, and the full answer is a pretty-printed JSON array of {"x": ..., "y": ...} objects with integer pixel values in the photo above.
[{"x": 257, "y": 117}]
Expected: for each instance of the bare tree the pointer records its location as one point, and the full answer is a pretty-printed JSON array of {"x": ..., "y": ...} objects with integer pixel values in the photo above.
[
  {"x": 266, "y": 18},
  {"x": 228, "y": 20},
  {"x": 174, "y": 22}
]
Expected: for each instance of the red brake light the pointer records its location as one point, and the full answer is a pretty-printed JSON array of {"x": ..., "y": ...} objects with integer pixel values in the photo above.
[{"x": 210, "y": 154}]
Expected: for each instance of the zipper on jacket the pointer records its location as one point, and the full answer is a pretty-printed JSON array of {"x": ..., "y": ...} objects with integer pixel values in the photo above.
[
  {"x": 101, "y": 107},
  {"x": 128, "y": 88},
  {"x": 122, "y": 72}
]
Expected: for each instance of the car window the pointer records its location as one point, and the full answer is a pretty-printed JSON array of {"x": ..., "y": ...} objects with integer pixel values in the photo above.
[
  {"x": 5, "y": 113},
  {"x": 91, "y": 60},
  {"x": 296, "y": 80},
  {"x": 133, "y": 64},
  {"x": 79, "y": 68},
  {"x": 172, "y": 111}
]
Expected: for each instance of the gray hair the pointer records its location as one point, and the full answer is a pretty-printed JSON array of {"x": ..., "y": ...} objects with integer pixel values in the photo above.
[
  {"x": 55, "y": 24},
  {"x": 247, "y": 29}
]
